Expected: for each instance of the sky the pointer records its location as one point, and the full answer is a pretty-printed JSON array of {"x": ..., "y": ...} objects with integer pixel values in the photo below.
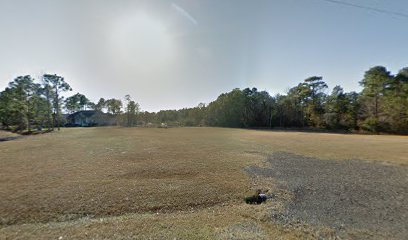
[{"x": 175, "y": 54}]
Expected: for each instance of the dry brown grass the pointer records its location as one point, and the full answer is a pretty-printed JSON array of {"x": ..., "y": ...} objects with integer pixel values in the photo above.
[
  {"x": 4, "y": 134},
  {"x": 157, "y": 183},
  {"x": 384, "y": 148}
]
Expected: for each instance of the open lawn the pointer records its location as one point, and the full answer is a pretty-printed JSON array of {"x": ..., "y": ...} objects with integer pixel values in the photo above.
[
  {"x": 6, "y": 134},
  {"x": 166, "y": 183}
]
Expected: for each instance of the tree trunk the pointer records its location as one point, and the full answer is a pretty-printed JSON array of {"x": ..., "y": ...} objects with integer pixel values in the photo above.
[
  {"x": 376, "y": 115},
  {"x": 57, "y": 108}
]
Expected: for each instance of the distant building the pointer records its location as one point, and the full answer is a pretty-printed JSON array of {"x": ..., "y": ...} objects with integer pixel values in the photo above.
[{"x": 89, "y": 118}]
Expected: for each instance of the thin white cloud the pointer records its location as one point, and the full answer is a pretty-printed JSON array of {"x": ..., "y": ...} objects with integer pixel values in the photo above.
[{"x": 184, "y": 13}]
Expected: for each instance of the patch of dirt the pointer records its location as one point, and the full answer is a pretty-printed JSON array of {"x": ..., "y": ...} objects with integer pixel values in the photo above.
[{"x": 344, "y": 195}]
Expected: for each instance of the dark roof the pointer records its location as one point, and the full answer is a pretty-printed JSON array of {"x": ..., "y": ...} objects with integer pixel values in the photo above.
[{"x": 85, "y": 113}]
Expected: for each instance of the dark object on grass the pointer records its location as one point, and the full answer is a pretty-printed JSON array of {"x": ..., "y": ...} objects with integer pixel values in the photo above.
[
  {"x": 255, "y": 200},
  {"x": 258, "y": 198}
]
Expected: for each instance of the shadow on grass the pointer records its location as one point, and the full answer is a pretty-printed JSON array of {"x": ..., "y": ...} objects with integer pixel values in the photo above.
[{"x": 341, "y": 194}]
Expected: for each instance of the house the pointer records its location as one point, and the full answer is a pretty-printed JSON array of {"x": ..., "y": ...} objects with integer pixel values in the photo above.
[{"x": 89, "y": 118}]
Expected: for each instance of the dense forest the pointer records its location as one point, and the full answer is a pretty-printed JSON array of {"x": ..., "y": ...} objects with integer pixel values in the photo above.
[{"x": 381, "y": 106}]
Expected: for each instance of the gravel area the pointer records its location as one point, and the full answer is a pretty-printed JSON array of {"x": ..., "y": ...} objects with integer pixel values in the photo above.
[{"x": 342, "y": 195}]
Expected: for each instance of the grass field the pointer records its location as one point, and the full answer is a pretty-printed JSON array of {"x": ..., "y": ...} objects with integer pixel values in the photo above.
[
  {"x": 159, "y": 183},
  {"x": 5, "y": 134}
]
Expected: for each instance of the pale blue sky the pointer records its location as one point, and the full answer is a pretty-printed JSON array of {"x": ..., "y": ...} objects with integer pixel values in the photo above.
[{"x": 174, "y": 54}]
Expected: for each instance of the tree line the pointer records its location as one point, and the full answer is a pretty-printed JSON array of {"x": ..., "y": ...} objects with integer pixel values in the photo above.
[
  {"x": 27, "y": 105},
  {"x": 381, "y": 106}
]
